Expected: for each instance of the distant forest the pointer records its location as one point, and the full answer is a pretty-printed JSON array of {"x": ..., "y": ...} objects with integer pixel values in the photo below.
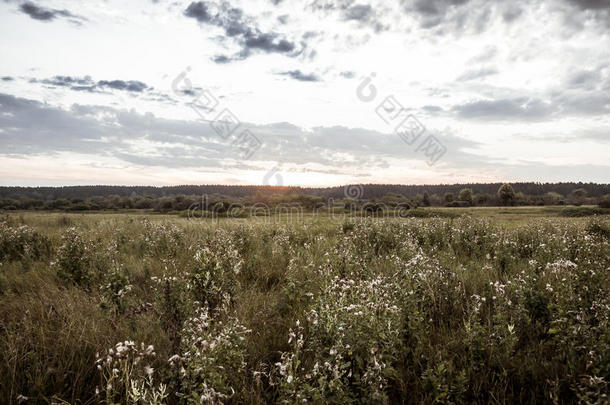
[{"x": 176, "y": 198}]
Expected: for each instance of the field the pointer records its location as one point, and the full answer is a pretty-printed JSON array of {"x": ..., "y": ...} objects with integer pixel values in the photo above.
[{"x": 500, "y": 305}]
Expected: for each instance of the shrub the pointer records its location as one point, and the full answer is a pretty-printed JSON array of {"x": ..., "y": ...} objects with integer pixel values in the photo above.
[
  {"x": 115, "y": 286},
  {"x": 466, "y": 196},
  {"x": 211, "y": 360},
  {"x": 161, "y": 240},
  {"x": 126, "y": 375},
  {"x": 459, "y": 203},
  {"x": 22, "y": 242},
  {"x": 214, "y": 276},
  {"x": 348, "y": 346},
  {"x": 604, "y": 202},
  {"x": 79, "y": 259},
  {"x": 506, "y": 194},
  {"x": 581, "y": 212},
  {"x": 598, "y": 227}
]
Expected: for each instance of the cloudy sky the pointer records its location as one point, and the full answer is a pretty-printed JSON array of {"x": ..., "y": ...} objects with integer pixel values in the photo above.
[{"x": 312, "y": 92}]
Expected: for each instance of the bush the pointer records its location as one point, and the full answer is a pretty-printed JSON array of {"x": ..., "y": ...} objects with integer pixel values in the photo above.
[
  {"x": 79, "y": 259},
  {"x": 459, "y": 204},
  {"x": 598, "y": 227},
  {"x": 582, "y": 212},
  {"x": 22, "y": 242}
]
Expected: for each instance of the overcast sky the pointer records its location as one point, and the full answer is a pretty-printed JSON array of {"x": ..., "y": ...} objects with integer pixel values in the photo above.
[{"x": 313, "y": 92}]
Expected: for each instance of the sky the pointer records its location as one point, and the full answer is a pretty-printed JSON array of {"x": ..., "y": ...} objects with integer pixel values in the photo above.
[{"x": 309, "y": 93}]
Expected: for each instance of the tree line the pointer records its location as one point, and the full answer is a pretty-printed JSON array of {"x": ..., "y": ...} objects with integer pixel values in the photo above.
[{"x": 180, "y": 198}]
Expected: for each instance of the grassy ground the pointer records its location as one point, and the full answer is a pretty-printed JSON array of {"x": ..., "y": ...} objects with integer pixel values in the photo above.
[
  {"x": 515, "y": 216},
  {"x": 502, "y": 305},
  {"x": 505, "y": 216}
]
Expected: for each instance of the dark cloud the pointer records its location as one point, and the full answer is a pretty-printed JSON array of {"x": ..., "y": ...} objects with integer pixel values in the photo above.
[
  {"x": 268, "y": 42},
  {"x": 68, "y": 81},
  {"x": 300, "y": 76},
  {"x": 329, "y": 5},
  {"x": 28, "y": 121},
  {"x": 505, "y": 109},
  {"x": 432, "y": 108},
  {"x": 347, "y": 10},
  {"x": 560, "y": 104},
  {"x": 131, "y": 85},
  {"x": 37, "y": 13},
  {"x": 359, "y": 12},
  {"x": 73, "y": 83},
  {"x": 199, "y": 11},
  {"x": 87, "y": 84},
  {"x": 311, "y": 34},
  {"x": 583, "y": 103},
  {"x": 7, "y": 79},
  {"x": 222, "y": 59},
  {"x": 242, "y": 29},
  {"x": 33, "y": 128},
  {"x": 348, "y": 74},
  {"x": 584, "y": 79},
  {"x": 365, "y": 15},
  {"x": 47, "y": 14},
  {"x": 591, "y": 4},
  {"x": 457, "y": 17},
  {"x": 597, "y": 11},
  {"x": 432, "y": 8},
  {"x": 511, "y": 14},
  {"x": 477, "y": 74}
]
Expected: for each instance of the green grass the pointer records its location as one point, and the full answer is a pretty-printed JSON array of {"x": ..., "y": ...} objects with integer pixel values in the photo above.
[
  {"x": 500, "y": 305},
  {"x": 514, "y": 216}
]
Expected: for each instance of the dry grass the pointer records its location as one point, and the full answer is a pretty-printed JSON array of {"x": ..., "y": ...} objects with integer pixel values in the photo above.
[{"x": 455, "y": 310}]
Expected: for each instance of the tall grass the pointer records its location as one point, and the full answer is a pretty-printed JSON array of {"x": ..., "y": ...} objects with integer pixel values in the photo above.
[{"x": 129, "y": 309}]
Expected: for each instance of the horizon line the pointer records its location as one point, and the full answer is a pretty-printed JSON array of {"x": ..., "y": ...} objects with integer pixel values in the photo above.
[{"x": 303, "y": 186}]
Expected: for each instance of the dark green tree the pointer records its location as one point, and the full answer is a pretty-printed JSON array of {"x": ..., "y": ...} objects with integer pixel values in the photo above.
[
  {"x": 506, "y": 194},
  {"x": 426, "y": 200},
  {"x": 579, "y": 196},
  {"x": 465, "y": 195}
]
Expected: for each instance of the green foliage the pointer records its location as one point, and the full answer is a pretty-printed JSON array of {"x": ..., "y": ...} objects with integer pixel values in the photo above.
[
  {"x": 211, "y": 360},
  {"x": 352, "y": 341},
  {"x": 575, "y": 212},
  {"x": 597, "y": 226},
  {"x": 127, "y": 377},
  {"x": 115, "y": 288},
  {"x": 506, "y": 194},
  {"x": 238, "y": 201},
  {"x": 161, "y": 239},
  {"x": 216, "y": 266},
  {"x": 78, "y": 258},
  {"x": 466, "y": 196},
  {"x": 22, "y": 243},
  {"x": 426, "y": 200}
]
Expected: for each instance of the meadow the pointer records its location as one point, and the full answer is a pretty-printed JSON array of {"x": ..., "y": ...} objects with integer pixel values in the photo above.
[{"x": 502, "y": 305}]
